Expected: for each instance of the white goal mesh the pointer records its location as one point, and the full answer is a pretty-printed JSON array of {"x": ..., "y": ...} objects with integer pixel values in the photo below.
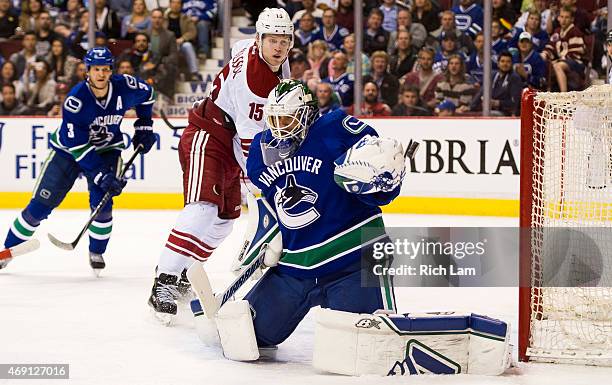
[{"x": 571, "y": 221}]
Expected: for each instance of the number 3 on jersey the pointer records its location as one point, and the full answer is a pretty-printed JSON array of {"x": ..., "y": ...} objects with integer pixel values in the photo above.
[{"x": 256, "y": 112}]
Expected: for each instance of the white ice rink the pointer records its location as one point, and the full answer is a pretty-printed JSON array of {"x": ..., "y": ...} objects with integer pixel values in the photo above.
[{"x": 52, "y": 310}]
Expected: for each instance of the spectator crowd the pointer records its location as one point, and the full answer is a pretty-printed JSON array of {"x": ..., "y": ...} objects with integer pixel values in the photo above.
[
  {"x": 158, "y": 44},
  {"x": 426, "y": 57},
  {"x": 419, "y": 57}
]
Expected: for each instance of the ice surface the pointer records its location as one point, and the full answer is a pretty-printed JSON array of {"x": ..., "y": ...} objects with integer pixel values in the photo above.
[{"x": 53, "y": 310}]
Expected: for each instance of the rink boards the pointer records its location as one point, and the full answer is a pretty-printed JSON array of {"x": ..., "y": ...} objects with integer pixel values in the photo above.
[{"x": 464, "y": 166}]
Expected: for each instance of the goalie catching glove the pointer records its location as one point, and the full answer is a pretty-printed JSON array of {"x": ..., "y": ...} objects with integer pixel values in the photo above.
[{"x": 371, "y": 165}]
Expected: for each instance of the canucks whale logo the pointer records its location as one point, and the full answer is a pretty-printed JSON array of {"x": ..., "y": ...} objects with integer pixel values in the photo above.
[
  {"x": 295, "y": 204},
  {"x": 99, "y": 135}
]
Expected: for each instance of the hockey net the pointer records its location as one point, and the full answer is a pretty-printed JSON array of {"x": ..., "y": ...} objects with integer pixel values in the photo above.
[{"x": 566, "y": 215}]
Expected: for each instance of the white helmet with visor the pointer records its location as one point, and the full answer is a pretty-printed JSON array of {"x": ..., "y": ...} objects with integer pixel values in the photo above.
[{"x": 290, "y": 110}]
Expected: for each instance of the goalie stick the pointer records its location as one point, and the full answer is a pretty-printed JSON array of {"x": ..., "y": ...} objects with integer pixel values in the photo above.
[
  {"x": 211, "y": 303},
  {"x": 94, "y": 214},
  {"x": 165, "y": 119},
  {"x": 20, "y": 249}
]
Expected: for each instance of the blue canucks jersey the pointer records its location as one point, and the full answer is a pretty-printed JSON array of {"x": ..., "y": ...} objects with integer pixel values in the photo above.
[
  {"x": 335, "y": 40},
  {"x": 535, "y": 67},
  {"x": 469, "y": 20},
  {"x": 91, "y": 126},
  {"x": 499, "y": 45},
  {"x": 343, "y": 88},
  {"x": 539, "y": 40},
  {"x": 475, "y": 68},
  {"x": 306, "y": 38},
  {"x": 321, "y": 224},
  {"x": 441, "y": 60}
]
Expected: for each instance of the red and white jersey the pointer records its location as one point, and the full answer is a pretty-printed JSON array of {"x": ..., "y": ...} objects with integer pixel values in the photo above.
[{"x": 241, "y": 90}]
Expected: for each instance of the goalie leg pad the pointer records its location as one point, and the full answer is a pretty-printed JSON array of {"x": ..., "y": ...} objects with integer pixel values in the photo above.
[
  {"x": 443, "y": 343},
  {"x": 206, "y": 328},
  {"x": 236, "y": 331}
]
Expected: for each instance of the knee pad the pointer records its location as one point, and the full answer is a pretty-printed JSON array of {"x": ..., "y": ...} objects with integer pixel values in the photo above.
[
  {"x": 104, "y": 216},
  {"x": 35, "y": 212}
]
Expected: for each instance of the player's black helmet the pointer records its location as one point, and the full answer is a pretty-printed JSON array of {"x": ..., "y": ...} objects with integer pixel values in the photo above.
[{"x": 99, "y": 56}]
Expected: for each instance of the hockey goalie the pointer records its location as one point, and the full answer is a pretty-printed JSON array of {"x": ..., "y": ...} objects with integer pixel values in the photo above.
[{"x": 323, "y": 180}]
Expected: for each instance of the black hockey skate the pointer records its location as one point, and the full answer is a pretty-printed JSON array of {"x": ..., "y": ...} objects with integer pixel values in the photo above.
[
  {"x": 96, "y": 261},
  {"x": 163, "y": 297},
  {"x": 184, "y": 288},
  {"x": 4, "y": 262}
]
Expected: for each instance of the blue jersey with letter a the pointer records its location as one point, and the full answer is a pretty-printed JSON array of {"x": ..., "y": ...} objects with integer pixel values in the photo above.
[
  {"x": 321, "y": 224},
  {"x": 91, "y": 126}
]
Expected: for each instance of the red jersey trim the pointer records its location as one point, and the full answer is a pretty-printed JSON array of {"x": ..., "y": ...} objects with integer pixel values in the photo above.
[{"x": 260, "y": 78}]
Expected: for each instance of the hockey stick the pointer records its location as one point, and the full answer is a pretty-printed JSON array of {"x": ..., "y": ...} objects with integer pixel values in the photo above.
[
  {"x": 165, "y": 119},
  {"x": 20, "y": 249},
  {"x": 211, "y": 303},
  {"x": 94, "y": 214},
  {"x": 411, "y": 149}
]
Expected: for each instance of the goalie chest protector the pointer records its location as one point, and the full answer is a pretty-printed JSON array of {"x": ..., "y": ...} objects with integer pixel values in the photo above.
[{"x": 314, "y": 213}]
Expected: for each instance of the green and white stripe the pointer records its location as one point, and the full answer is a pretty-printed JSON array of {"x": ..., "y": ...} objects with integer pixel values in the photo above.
[
  {"x": 256, "y": 249},
  {"x": 100, "y": 230},
  {"x": 336, "y": 246},
  {"x": 80, "y": 151},
  {"x": 22, "y": 229},
  {"x": 386, "y": 288}
]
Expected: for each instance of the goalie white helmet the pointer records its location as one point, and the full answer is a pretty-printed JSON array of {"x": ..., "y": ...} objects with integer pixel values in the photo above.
[{"x": 290, "y": 110}]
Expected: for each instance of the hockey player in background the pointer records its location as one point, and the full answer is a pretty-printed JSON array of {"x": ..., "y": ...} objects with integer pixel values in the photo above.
[
  {"x": 213, "y": 151},
  {"x": 89, "y": 142},
  {"x": 294, "y": 163}
]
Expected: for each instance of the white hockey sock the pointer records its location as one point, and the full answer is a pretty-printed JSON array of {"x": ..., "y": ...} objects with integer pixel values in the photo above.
[{"x": 173, "y": 263}]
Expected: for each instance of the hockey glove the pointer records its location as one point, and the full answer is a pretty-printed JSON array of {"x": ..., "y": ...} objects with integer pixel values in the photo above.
[
  {"x": 108, "y": 182},
  {"x": 371, "y": 165},
  {"x": 144, "y": 135}
]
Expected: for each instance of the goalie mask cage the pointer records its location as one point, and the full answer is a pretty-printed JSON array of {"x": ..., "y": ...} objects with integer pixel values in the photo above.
[{"x": 566, "y": 218}]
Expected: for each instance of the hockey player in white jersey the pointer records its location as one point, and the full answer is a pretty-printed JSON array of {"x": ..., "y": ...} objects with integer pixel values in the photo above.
[{"x": 213, "y": 151}]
